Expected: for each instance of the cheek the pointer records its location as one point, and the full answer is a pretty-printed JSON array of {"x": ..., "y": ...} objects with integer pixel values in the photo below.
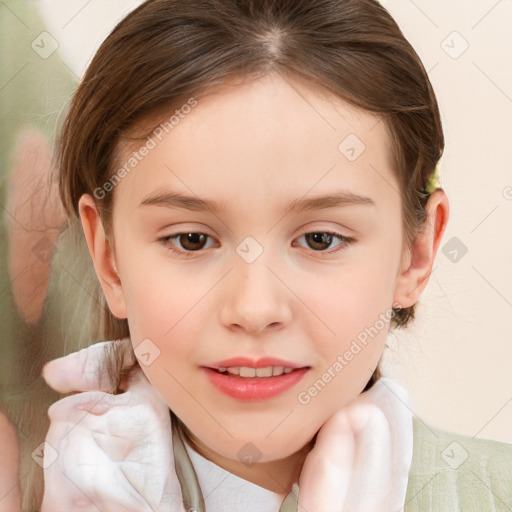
[
  {"x": 155, "y": 315},
  {"x": 160, "y": 295},
  {"x": 348, "y": 358},
  {"x": 165, "y": 316},
  {"x": 163, "y": 341},
  {"x": 350, "y": 313},
  {"x": 346, "y": 300}
]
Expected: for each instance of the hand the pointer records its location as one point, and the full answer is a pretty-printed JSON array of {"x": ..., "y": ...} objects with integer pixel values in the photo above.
[
  {"x": 361, "y": 458},
  {"x": 114, "y": 452}
]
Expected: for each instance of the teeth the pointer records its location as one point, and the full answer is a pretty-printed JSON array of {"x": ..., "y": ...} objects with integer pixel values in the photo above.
[{"x": 246, "y": 371}]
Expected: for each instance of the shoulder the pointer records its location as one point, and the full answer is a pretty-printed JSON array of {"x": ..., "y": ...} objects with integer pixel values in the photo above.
[{"x": 451, "y": 471}]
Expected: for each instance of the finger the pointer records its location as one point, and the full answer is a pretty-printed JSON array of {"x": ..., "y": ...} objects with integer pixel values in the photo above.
[
  {"x": 73, "y": 408},
  {"x": 86, "y": 369},
  {"x": 325, "y": 477},
  {"x": 372, "y": 471}
]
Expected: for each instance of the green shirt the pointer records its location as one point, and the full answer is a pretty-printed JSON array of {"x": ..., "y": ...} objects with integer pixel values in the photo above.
[{"x": 452, "y": 472}]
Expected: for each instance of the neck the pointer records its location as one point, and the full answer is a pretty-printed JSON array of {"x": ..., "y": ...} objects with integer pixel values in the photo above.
[{"x": 277, "y": 476}]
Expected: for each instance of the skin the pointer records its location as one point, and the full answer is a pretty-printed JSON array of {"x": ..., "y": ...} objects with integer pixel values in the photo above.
[{"x": 254, "y": 148}]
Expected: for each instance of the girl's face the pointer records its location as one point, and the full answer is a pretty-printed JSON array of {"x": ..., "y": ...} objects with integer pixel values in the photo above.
[{"x": 294, "y": 253}]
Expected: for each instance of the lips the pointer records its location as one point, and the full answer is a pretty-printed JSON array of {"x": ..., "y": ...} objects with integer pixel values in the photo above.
[{"x": 249, "y": 380}]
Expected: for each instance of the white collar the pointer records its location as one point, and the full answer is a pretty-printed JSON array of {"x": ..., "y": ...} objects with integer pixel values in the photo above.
[{"x": 223, "y": 490}]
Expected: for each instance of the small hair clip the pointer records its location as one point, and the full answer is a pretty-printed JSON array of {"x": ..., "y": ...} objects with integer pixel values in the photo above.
[{"x": 434, "y": 180}]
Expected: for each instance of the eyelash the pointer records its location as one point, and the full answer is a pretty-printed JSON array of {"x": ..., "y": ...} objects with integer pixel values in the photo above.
[{"x": 166, "y": 242}]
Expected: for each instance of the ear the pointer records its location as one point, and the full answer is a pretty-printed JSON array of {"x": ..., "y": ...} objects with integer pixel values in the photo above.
[
  {"x": 417, "y": 264},
  {"x": 102, "y": 255}
]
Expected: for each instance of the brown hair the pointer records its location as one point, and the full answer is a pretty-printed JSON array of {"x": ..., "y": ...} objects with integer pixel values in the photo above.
[{"x": 168, "y": 51}]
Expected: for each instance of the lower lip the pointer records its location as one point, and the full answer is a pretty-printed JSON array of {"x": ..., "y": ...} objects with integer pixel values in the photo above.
[{"x": 254, "y": 388}]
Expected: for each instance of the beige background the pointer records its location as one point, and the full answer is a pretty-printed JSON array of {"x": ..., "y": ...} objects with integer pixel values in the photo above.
[{"x": 457, "y": 358}]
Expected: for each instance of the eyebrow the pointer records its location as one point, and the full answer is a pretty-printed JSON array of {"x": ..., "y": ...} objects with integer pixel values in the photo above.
[{"x": 182, "y": 201}]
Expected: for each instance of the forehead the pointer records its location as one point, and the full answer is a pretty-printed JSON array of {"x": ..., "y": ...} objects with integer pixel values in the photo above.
[{"x": 264, "y": 135}]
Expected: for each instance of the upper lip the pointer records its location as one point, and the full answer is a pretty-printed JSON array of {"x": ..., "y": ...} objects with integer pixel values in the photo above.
[{"x": 264, "y": 362}]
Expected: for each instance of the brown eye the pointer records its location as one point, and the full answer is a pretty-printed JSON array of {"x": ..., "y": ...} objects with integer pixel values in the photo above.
[
  {"x": 319, "y": 241},
  {"x": 185, "y": 244},
  {"x": 193, "y": 241}
]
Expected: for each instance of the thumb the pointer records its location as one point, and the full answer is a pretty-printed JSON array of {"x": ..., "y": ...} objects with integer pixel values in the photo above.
[{"x": 325, "y": 475}]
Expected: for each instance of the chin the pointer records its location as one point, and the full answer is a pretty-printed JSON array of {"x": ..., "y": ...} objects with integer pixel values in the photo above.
[{"x": 260, "y": 450}]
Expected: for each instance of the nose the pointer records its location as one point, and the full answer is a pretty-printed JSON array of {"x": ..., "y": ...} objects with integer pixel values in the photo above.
[{"x": 255, "y": 299}]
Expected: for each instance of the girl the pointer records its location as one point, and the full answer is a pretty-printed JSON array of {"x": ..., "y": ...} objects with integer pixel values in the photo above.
[{"x": 256, "y": 184}]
